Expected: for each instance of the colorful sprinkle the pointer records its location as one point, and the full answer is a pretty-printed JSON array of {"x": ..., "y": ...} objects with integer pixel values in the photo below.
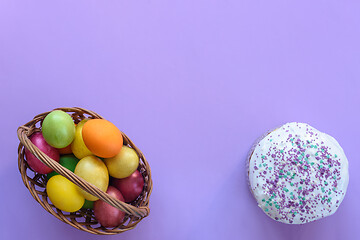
[{"x": 288, "y": 175}]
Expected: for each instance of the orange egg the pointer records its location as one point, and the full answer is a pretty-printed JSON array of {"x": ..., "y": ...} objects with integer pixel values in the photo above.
[{"x": 102, "y": 138}]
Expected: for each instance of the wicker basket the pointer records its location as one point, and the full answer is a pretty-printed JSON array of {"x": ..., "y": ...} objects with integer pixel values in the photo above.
[{"x": 82, "y": 219}]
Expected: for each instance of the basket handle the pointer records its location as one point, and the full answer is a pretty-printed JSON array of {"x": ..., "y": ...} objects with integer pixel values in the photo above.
[{"x": 88, "y": 187}]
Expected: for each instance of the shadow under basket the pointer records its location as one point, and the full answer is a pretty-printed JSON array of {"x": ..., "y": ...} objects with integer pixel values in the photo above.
[{"x": 84, "y": 218}]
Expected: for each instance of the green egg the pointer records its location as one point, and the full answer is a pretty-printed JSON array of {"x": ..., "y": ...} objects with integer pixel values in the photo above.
[
  {"x": 49, "y": 175},
  {"x": 67, "y": 161},
  {"x": 58, "y": 129},
  {"x": 88, "y": 204}
]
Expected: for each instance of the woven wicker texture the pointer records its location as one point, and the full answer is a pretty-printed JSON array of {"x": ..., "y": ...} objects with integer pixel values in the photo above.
[{"x": 82, "y": 219}]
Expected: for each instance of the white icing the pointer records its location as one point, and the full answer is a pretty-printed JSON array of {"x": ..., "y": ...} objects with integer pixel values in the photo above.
[{"x": 292, "y": 153}]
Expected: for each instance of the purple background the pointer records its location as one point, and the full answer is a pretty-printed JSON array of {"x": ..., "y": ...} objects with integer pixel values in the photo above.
[{"x": 193, "y": 84}]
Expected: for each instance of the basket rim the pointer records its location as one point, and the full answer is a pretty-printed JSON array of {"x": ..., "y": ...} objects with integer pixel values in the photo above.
[{"x": 27, "y": 129}]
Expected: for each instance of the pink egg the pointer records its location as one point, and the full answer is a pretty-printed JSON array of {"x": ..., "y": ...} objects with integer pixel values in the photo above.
[
  {"x": 130, "y": 187},
  {"x": 35, "y": 164},
  {"x": 107, "y": 215}
]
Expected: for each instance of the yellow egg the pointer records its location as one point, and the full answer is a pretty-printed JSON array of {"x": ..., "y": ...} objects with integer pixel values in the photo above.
[
  {"x": 64, "y": 194},
  {"x": 123, "y": 164},
  {"x": 94, "y": 171},
  {"x": 78, "y": 146}
]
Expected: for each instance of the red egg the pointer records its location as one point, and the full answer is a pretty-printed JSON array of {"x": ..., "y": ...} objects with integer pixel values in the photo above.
[
  {"x": 35, "y": 164},
  {"x": 130, "y": 187},
  {"x": 107, "y": 215}
]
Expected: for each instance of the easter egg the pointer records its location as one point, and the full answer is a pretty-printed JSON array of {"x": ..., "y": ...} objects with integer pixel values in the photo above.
[
  {"x": 123, "y": 164},
  {"x": 94, "y": 171},
  {"x": 35, "y": 164},
  {"x": 67, "y": 161},
  {"x": 130, "y": 187},
  {"x": 102, "y": 138},
  {"x": 78, "y": 146},
  {"x": 65, "y": 150},
  {"x": 58, "y": 129},
  {"x": 107, "y": 215},
  {"x": 64, "y": 194},
  {"x": 88, "y": 204}
]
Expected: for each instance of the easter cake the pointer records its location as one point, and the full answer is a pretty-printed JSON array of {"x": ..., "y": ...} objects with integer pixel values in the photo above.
[{"x": 297, "y": 174}]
